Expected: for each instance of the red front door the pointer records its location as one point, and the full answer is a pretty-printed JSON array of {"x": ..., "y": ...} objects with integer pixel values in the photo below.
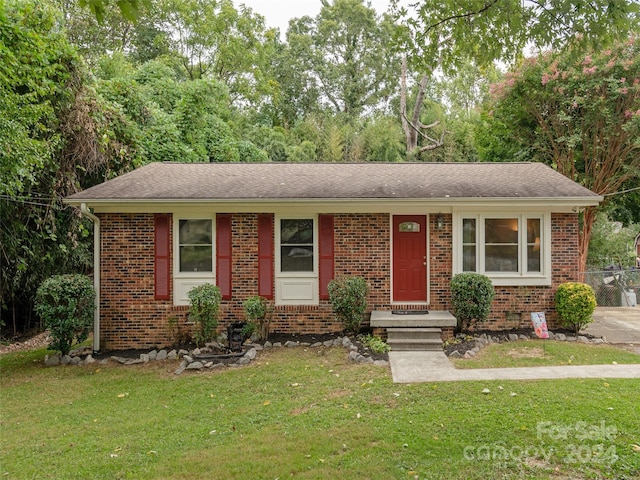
[{"x": 409, "y": 258}]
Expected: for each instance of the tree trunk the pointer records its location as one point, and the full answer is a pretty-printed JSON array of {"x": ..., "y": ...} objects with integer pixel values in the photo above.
[{"x": 588, "y": 219}]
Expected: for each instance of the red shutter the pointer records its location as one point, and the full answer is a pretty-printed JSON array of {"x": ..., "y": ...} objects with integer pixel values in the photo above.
[
  {"x": 265, "y": 256},
  {"x": 325, "y": 247},
  {"x": 162, "y": 256},
  {"x": 223, "y": 255}
]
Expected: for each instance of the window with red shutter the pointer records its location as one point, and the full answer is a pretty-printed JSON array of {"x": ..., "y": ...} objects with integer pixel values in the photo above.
[
  {"x": 265, "y": 256},
  {"x": 223, "y": 255},
  {"x": 325, "y": 229},
  {"x": 162, "y": 256}
]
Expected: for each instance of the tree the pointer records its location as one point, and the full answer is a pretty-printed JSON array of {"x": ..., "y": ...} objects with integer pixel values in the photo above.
[
  {"x": 445, "y": 35},
  {"x": 343, "y": 54},
  {"x": 216, "y": 41},
  {"x": 580, "y": 116}
]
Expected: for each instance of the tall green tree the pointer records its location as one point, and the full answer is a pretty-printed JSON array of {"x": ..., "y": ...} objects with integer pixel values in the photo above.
[
  {"x": 445, "y": 35},
  {"x": 344, "y": 56},
  {"x": 215, "y": 40},
  {"x": 579, "y": 114}
]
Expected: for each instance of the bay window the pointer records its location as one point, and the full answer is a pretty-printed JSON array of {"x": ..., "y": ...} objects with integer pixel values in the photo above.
[{"x": 512, "y": 249}]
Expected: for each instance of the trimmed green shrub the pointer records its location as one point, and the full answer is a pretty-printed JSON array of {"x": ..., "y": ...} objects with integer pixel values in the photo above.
[
  {"x": 575, "y": 303},
  {"x": 256, "y": 309},
  {"x": 205, "y": 306},
  {"x": 375, "y": 344},
  {"x": 471, "y": 296},
  {"x": 66, "y": 305},
  {"x": 348, "y": 297}
]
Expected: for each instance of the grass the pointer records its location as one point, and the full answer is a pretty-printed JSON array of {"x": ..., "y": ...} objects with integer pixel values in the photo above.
[
  {"x": 542, "y": 353},
  {"x": 308, "y": 414}
]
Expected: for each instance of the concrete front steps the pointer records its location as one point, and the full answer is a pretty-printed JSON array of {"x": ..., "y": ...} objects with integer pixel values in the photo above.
[
  {"x": 414, "y": 331},
  {"x": 412, "y": 339}
]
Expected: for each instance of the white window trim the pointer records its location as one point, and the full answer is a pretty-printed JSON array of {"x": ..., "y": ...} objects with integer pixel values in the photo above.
[
  {"x": 296, "y": 288},
  {"x": 184, "y": 281},
  {"x": 522, "y": 277}
]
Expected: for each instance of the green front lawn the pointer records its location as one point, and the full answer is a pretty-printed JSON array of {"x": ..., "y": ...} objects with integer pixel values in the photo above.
[
  {"x": 543, "y": 353},
  {"x": 306, "y": 414}
]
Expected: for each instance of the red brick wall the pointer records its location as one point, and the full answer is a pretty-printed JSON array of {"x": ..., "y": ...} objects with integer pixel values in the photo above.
[{"x": 132, "y": 318}]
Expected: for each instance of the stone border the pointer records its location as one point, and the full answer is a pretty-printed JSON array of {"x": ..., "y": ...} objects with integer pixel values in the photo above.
[
  {"x": 483, "y": 340},
  {"x": 196, "y": 358}
]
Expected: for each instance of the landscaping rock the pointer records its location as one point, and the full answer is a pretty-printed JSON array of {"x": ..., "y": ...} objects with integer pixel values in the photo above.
[
  {"x": 172, "y": 355},
  {"x": 455, "y": 354},
  {"x": 583, "y": 339},
  {"x": 561, "y": 337},
  {"x": 182, "y": 367},
  {"x": 512, "y": 337},
  {"x": 133, "y": 361},
  {"x": 268, "y": 344},
  {"x": 89, "y": 359},
  {"x": 353, "y": 355},
  {"x": 277, "y": 344},
  {"x": 291, "y": 344},
  {"x": 195, "y": 366},
  {"x": 208, "y": 365},
  {"x": 316, "y": 345},
  {"x": 188, "y": 358},
  {"x": 598, "y": 341},
  {"x": 523, "y": 337},
  {"x": 196, "y": 351},
  {"x": 218, "y": 365},
  {"x": 52, "y": 360},
  {"x": 65, "y": 360},
  {"x": 328, "y": 343},
  {"x": 243, "y": 361},
  {"x": 182, "y": 352},
  {"x": 162, "y": 355},
  {"x": 337, "y": 342},
  {"x": 251, "y": 354},
  {"x": 571, "y": 339},
  {"x": 153, "y": 354},
  {"x": 346, "y": 342},
  {"x": 75, "y": 361},
  {"x": 144, "y": 357}
]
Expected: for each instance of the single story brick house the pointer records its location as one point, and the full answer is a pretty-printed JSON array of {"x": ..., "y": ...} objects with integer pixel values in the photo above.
[{"x": 284, "y": 231}]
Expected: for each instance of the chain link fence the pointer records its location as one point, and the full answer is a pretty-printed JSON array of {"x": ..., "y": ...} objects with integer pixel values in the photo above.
[{"x": 615, "y": 288}]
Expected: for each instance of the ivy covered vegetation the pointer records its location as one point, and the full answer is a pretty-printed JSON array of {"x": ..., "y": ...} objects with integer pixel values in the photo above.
[{"x": 82, "y": 101}]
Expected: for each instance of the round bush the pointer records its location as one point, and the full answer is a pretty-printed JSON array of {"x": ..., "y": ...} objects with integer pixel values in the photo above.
[
  {"x": 348, "y": 297},
  {"x": 205, "y": 306},
  {"x": 575, "y": 303},
  {"x": 471, "y": 296},
  {"x": 66, "y": 305}
]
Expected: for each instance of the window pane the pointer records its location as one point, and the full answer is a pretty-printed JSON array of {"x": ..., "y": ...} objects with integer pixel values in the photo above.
[
  {"x": 469, "y": 258},
  {"x": 501, "y": 258},
  {"x": 469, "y": 230},
  {"x": 409, "y": 227},
  {"x": 196, "y": 232},
  {"x": 533, "y": 245},
  {"x": 196, "y": 245},
  {"x": 296, "y": 245},
  {"x": 296, "y": 231},
  {"x": 296, "y": 259},
  {"x": 501, "y": 230},
  {"x": 195, "y": 258},
  {"x": 533, "y": 259}
]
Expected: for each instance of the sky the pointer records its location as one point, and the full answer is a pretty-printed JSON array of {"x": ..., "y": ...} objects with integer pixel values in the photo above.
[{"x": 278, "y": 12}]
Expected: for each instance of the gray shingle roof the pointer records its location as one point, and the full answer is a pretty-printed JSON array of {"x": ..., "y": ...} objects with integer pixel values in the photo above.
[{"x": 282, "y": 181}]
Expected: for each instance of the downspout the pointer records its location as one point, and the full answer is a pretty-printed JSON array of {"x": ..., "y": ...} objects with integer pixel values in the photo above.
[{"x": 96, "y": 273}]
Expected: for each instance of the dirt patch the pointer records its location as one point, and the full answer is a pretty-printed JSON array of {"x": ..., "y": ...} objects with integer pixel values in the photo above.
[{"x": 526, "y": 352}]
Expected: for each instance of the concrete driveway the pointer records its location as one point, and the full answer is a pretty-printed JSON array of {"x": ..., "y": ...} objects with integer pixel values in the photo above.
[{"x": 619, "y": 325}]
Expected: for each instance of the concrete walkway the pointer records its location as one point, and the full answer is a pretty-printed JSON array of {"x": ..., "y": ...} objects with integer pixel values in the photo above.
[
  {"x": 619, "y": 325},
  {"x": 417, "y": 367}
]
